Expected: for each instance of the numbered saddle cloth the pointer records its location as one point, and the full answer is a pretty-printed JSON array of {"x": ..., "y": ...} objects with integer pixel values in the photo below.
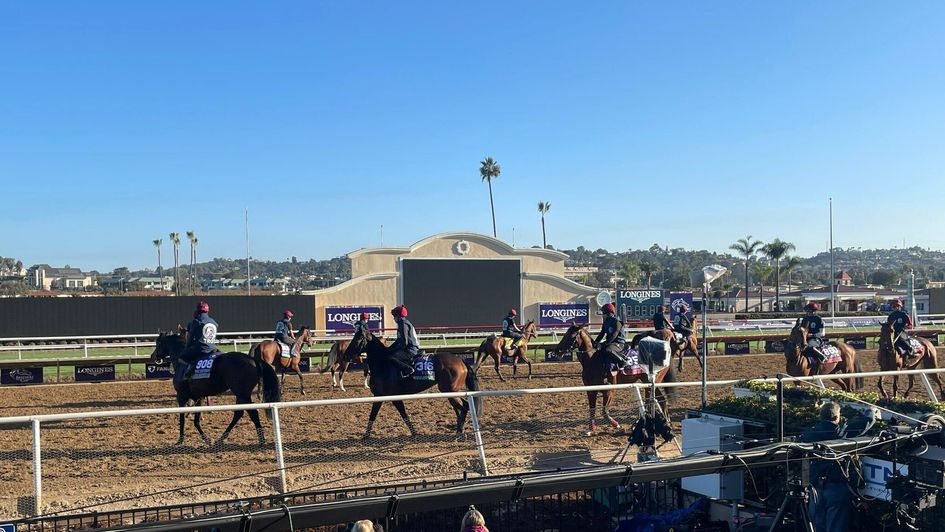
[
  {"x": 423, "y": 367},
  {"x": 509, "y": 343},
  {"x": 204, "y": 366},
  {"x": 633, "y": 358},
  {"x": 917, "y": 348},
  {"x": 830, "y": 351},
  {"x": 288, "y": 351}
]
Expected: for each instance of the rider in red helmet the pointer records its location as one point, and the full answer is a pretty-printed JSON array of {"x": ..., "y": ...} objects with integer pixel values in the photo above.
[
  {"x": 406, "y": 346},
  {"x": 901, "y": 322},
  {"x": 362, "y": 323},
  {"x": 815, "y": 331},
  {"x": 510, "y": 329},
  {"x": 284, "y": 334},
  {"x": 201, "y": 335},
  {"x": 611, "y": 332},
  {"x": 660, "y": 321}
]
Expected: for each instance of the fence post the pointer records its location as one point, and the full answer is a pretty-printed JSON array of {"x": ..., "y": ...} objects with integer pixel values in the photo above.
[
  {"x": 85, "y": 347},
  {"x": 477, "y": 434},
  {"x": 19, "y": 350},
  {"x": 928, "y": 387},
  {"x": 37, "y": 471},
  {"x": 277, "y": 441},
  {"x": 136, "y": 346}
]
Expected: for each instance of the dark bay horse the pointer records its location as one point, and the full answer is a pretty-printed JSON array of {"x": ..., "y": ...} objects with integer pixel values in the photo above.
[
  {"x": 450, "y": 371},
  {"x": 339, "y": 357},
  {"x": 679, "y": 349},
  {"x": 890, "y": 359},
  {"x": 798, "y": 365},
  {"x": 595, "y": 371},
  {"x": 493, "y": 347},
  {"x": 237, "y": 372},
  {"x": 270, "y": 352}
]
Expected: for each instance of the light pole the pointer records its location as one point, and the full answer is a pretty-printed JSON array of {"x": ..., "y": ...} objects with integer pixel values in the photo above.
[{"x": 706, "y": 276}]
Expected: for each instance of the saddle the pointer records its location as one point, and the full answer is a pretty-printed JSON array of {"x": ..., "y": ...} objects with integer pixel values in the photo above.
[
  {"x": 510, "y": 343},
  {"x": 202, "y": 368},
  {"x": 423, "y": 367},
  {"x": 917, "y": 348},
  {"x": 634, "y": 368},
  {"x": 830, "y": 351}
]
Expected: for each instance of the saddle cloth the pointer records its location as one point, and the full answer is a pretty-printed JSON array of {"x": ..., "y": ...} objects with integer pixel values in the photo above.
[
  {"x": 287, "y": 350},
  {"x": 509, "y": 343},
  {"x": 917, "y": 347},
  {"x": 633, "y": 357},
  {"x": 423, "y": 367},
  {"x": 202, "y": 368},
  {"x": 832, "y": 353}
]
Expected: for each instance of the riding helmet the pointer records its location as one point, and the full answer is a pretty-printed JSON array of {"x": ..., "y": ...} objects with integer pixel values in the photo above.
[
  {"x": 365, "y": 316},
  {"x": 812, "y": 307},
  {"x": 399, "y": 311},
  {"x": 897, "y": 303},
  {"x": 609, "y": 308},
  {"x": 287, "y": 314},
  {"x": 683, "y": 308},
  {"x": 513, "y": 312},
  {"x": 203, "y": 306},
  {"x": 661, "y": 309}
]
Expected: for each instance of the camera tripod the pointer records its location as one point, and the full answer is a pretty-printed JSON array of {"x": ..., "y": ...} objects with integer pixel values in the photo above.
[{"x": 795, "y": 505}]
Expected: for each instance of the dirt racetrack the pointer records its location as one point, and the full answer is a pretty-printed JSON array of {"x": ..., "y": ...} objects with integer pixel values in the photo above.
[{"x": 132, "y": 461}]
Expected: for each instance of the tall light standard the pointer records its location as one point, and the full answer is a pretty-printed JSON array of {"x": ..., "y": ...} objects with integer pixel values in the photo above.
[{"x": 706, "y": 276}]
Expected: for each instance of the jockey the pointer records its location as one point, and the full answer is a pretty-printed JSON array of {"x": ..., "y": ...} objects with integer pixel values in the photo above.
[
  {"x": 362, "y": 323},
  {"x": 201, "y": 333},
  {"x": 510, "y": 329},
  {"x": 611, "y": 332},
  {"x": 284, "y": 332},
  {"x": 682, "y": 324},
  {"x": 402, "y": 351},
  {"x": 660, "y": 321},
  {"x": 901, "y": 322},
  {"x": 815, "y": 330}
]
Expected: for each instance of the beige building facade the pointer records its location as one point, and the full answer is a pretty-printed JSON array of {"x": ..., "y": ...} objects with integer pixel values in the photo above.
[{"x": 376, "y": 274}]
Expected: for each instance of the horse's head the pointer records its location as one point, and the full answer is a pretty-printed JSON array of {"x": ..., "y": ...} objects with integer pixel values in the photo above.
[
  {"x": 530, "y": 328},
  {"x": 886, "y": 333},
  {"x": 167, "y": 346},
  {"x": 305, "y": 336},
  {"x": 798, "y": 333},
  {"x": 570, "y": 339}
]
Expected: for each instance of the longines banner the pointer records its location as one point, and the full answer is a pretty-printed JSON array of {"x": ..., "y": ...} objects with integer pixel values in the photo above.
[
  {"x": 559, "y": 314},
  {"x": 638, "y": 303},
  {"x": 95, "y": 373},
  {"x": 341, "y": 319}
]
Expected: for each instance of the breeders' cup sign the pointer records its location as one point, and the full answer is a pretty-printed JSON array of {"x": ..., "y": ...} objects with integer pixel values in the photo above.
[
  {"x": 558, "y": 314},
  {"x": 341, "y": 319},
  {"x": 676, "y": 300},
  {"x": 21, "y": 376},
  {"x": 638, "y": 303},
  {"x": 94, "y": 373}
]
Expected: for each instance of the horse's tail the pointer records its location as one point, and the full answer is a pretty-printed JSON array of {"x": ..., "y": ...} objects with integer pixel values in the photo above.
[
  {"x": 472, "y": 384},
  {"x": 479, "y": 356},
  {"x": 671, "y": 376},
  {"x": 254, "y": 352},
  {"x": 270, "y": 383},
  {"x": 332, "y": 357},
  {"x": 859, "y": 382}
]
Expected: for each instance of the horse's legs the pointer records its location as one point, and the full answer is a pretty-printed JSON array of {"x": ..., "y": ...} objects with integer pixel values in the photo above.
[
  {"x": 882, "y": 389},
  {"x": 682, "y": 355},
  {"x": 200, "y": 429},
  {"x": 399, "y": 405},
  {"x": 301, "y": 381},
  {"x": 180, "y": 440},
  {"x": 497, "y": 357},
  {"x": 524, "y": 356},
  {"x": 367, "y": 374},
  {"x": 342, "y": 368},
  {"x": 334, "y": 378},
  {"x": 460, "y": 406},
  {"x": 605, "y": 404},
  {"x": 592, "y": 403},
  {"x": 370, "y": 424},
  {"x": 237, "y": 414}
]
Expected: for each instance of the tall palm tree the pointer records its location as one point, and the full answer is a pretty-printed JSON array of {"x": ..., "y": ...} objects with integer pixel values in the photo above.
[
  {"x": 157, "y": 243},
  {"x": 543, "y": 207},
  {"x": 190, "y": 272},
  {"x": 175, "y": 244},
  {"x": 196, "y": 273},
  {"x": 648, "y": 269},
  {"x": 791, "y": 263},
  {"x": 490, "y": 170},
  {"x": 761, "y": 272},
  {"x": 776, "y": 250},
  {"x": 630, "y": 273},
  {"x": 747, "y": 248}
]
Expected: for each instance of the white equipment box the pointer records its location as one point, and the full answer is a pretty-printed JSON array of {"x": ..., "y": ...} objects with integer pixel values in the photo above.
[{"x": 714, "y": 433}]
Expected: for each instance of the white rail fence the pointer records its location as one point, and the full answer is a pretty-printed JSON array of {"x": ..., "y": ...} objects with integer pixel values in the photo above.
[{"x": 79, "y": 462}]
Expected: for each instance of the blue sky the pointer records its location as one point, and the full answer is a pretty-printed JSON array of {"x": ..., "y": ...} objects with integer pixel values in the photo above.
[{"x": 687, "y": 124}]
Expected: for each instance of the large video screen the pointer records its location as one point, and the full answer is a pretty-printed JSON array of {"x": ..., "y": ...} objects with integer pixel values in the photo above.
[{"x": 460, "y": 292}]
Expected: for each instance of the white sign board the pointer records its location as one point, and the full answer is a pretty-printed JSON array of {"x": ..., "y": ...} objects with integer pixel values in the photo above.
[{"x": 875, "y": 473}]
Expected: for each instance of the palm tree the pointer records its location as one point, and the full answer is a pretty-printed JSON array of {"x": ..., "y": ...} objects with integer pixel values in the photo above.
[
  {"x": 490, "y": 170},
  {"x": 196, "y": 273},
  {"x": 630, "y": 273},
  {"x": 157, "y": 243},
  {"x": 175, "y": 243},
  {"x": 648, "y": 268},
  {"x": 776, "y": 250},
  {"x": 790, "y": 263},
  {"x": 761, "y": 272},
  {"x": 747, "y": 248},
  {"x": 190, "y": 275},
  {"x": 543, "y": 207}
]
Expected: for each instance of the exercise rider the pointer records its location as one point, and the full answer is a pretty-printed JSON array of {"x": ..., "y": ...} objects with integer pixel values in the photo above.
[
  {"x": 611, "y": 332},
  {"x": 284, "y": 332},
  {"x": 510, "y": 329},
  {"x": 201, "y": 335},
  {"x": 406, "y": 346},
  {"x": 901, "y": 322},
  {"x": 815, "y": 331}
]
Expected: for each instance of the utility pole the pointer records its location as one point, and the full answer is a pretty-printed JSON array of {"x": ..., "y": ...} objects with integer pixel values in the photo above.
[
  {"x": 833, "y": 314},
  {"x": 249, "y": 284}
]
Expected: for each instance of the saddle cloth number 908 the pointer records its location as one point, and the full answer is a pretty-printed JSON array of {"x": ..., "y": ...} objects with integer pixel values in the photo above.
[{"x": 205, "y": 363}]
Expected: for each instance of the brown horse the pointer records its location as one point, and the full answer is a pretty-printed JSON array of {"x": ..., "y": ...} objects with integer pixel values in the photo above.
[
  {"x": 890, "y": 359},
  {"x": 493, "y": 347},
  {"x": 799, "y": 365},
  {"x": 679, "y": 349},
  {"x": 339, "y": 358},
  {"x": 595, "y": 371},
  {"x": 270, "y": 352},
  {"x": 450, "y": 372}
]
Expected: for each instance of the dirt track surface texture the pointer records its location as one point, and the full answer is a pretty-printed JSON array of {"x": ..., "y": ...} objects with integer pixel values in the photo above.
[{"x": 132, "y": 461}]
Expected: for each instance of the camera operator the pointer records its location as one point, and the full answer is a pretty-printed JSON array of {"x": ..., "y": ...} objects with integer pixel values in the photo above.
[{"x": 831, "y": 497}]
